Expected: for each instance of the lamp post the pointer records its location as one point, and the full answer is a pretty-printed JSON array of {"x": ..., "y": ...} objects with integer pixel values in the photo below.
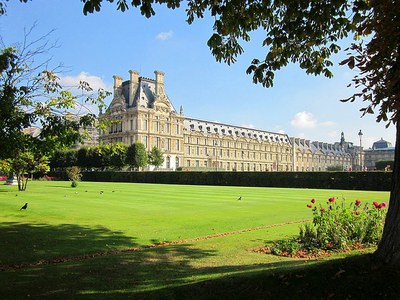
[{"x": 360, "y": 134}]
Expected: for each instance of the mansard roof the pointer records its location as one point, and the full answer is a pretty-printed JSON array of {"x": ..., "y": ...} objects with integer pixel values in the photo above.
[
  {"x": 221, "y": 129},
  {"x": 381, "y": 144},
  {"x": 138, "y": 92},
  {"x": 325, "y": 148}
]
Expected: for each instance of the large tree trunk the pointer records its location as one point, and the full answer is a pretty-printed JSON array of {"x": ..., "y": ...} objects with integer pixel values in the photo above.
[{"x": 389, "y": 247}]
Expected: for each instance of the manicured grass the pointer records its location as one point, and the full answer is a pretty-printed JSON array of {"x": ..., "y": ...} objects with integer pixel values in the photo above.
[{"x": 64, "y": 222}]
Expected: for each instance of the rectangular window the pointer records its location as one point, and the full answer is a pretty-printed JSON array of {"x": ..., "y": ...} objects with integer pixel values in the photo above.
[
  {"x": 131, "y": 124},
  {"x": 167, "y": 144},
  {"x": 144, "y": 124},
  {"x": 177, "y": 145},
  {"x": 145, "y": 142},
  {"x": 168, "y": 128},
  {"x": 156, "y": 127},
  {"x": 177, "y": 128}
]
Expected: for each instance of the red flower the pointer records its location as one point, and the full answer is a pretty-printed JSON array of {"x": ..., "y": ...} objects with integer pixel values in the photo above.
[
  {"x": 358, "y": 202},
  {"x": 376, "y": 204},
  {"x": 312, "y": 200},
  {"x": 322, "y": 209},
  {"x": 309, "y": 205},
  {"x": 383, "y": 204},
  {"x": 332, "y": 199}
]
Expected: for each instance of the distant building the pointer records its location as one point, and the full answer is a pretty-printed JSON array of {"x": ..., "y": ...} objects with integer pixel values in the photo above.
[
  {"x": 141, "y": 111},
  {"x": 381, "y": 150}
]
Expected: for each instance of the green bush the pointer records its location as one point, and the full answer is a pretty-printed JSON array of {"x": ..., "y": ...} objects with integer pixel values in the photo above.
[
  {"x": 374, "y": 181},
  {"x": 336, "y": 226}
]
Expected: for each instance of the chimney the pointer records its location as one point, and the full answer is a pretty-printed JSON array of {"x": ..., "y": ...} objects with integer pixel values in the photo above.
[
  {"x": 117, "y": 83},
  {"x": 159, "y": 83},
  {"x": 133, "y": 84}
]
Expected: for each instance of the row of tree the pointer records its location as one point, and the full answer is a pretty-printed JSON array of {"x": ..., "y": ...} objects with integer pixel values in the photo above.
[{"x": 115, "y": 157}]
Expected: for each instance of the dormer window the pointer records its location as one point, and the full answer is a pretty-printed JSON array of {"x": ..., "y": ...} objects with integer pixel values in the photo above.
[{"x": 208, "y": 128}]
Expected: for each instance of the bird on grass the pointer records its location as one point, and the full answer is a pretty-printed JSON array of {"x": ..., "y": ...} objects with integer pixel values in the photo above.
[
  {"x": 240, "y": 198},
  {"x": 24, "y": 207}
]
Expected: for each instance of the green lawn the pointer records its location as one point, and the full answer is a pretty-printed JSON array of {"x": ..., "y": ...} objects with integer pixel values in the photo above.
[{"x": 63, "y": 222}]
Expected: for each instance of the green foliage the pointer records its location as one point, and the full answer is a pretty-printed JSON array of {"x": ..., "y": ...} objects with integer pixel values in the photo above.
[
  {"x": 336, "y": 226},
  {"x": 337, "y": 168},
  {"x": 118, "y": 155},
  {"x": 156, "y": 157},
  {"x": 74, "y": 174},
  {"x": 25, "y": 164},
  {"x": 136, "y": 156},
  {"x": 31, "y": 97},
  {"x": 378, "y": 181}
]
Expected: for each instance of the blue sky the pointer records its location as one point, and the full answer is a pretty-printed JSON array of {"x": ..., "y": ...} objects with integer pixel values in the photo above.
[{"x": 98, "y": 46}]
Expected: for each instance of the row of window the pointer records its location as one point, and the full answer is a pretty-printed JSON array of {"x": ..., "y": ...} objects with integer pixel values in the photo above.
[
  {"x": 237, "y": 166},
  {"x": 229, "y": 153},
  {"x": 235, "y": 144}
]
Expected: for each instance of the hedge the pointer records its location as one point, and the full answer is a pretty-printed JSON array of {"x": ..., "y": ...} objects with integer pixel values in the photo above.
[{"x": 374, "y": 181}]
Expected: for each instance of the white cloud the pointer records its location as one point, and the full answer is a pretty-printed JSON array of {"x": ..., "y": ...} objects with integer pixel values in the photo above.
[
  {"x": 307, "y": 120},
  {"x": 95, "y": 82},
  {"x": 163, "y": 36},
  {"x": 304, "y": 119}
]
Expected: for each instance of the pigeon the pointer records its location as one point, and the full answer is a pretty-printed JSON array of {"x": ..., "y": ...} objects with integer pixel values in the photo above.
[
  {"x": 24, "y": 207},
  {"x": 240, "y": 198}
]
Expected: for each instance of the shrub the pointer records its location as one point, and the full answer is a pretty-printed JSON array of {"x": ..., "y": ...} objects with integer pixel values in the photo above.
[
  {"x": 336, "y": 226},
  {"x": 74, "y": 174}
]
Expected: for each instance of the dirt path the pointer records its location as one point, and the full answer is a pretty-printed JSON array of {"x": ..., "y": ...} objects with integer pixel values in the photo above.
[{"x": 13, "y": 267}]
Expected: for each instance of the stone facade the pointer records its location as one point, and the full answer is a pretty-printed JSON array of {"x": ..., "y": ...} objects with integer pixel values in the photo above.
[
  {"x": 141, "y": 111},
  {"x": 381, "y": 150}
]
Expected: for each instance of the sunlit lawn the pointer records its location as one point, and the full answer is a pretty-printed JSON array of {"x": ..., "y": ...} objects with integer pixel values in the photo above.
[{"x": 95, "y": 217}]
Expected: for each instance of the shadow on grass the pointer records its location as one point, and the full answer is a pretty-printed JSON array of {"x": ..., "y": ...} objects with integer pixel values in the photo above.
[
  {"x": 30, "y": 243},
  {"x": 171, "y": 272},
  {"x": 356, "y": 277}
]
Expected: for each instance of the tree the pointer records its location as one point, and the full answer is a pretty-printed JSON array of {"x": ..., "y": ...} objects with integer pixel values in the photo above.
[
  {"x": 136, "y": 156},
  {"x": 156, "y": 157},
  {"x": 118, "y": 155},
  {"x": 307, "y": 33},
  {"x": 24, "y": 165},
  {"x": 74, "y": 174},
  {"x": 31, "y": 96}
]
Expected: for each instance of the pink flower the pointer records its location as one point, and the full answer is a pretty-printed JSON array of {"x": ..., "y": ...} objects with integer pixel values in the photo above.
[
  {"x": 358, "y": 202},
  {"x": 332, "y": 199},
  {"x": 383, "y": 204},
  {"x": 312, "y": 200},
  {"x": 309, "y": 205}
]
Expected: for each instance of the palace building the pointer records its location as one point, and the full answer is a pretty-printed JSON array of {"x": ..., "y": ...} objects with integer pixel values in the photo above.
[{"x": 141, "y": 111}]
